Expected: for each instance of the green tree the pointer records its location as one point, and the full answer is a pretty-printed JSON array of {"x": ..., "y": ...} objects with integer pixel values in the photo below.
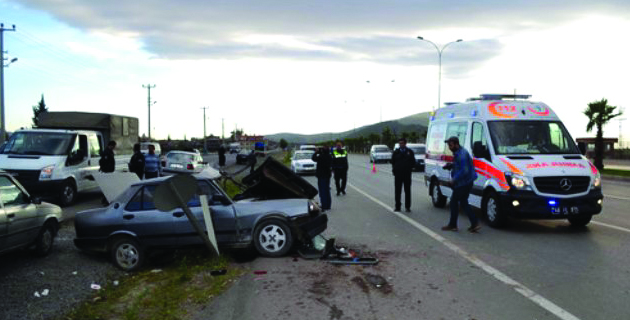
[
  {"x": 414, "y": 136},
  {"x": 599, "y": 113},
  {"x": 283, "y": 144},
  {"x": 37, "y": 110},
  {"x": 374, "y": 138},
  {"x": 388, "y": 137}
]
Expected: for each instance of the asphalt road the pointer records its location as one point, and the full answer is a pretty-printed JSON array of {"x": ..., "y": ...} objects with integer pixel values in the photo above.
[{"x": 529, "y": 270}]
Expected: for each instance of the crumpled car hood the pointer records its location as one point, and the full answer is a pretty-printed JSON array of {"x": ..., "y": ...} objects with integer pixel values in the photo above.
[{"x": 273, "y": 180}]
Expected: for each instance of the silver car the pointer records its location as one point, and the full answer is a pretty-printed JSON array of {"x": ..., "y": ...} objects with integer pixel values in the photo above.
[
  {"x": 183, "y": 162},
  {"x": 273, "y": 214},
  {"x": 25, "y": 221}
]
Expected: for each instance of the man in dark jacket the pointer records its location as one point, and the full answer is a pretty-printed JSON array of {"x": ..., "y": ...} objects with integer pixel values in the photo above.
[
  {"x": 340, "y": 167},
  {"x": 251, "y": 161},
  {"x": 221, "y": 156},
  {"x": 107, "y": 162},
  {"x": 324, "y": 165},
  {"x": 403, "y": 161},
  {"x": 136, "y": 164}
]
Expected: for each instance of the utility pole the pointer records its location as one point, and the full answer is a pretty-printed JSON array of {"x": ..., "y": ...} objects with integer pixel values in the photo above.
[
  {"x": 222, "y": 131},
  {"x": 3, "y": 130},
  {"x": 621, "y": 143},
  {"x": 148, "y": 87},
  {"x": 205, "y": 143}
]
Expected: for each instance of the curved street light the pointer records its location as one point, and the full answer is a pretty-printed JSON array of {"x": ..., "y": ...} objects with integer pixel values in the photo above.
[{"x": 440, "y": 63}]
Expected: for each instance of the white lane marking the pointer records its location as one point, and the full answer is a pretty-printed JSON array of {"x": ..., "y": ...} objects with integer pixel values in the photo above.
[
  {"x": 518, "y": 287},
  {"x": 611, "y": 226},
  {"x": 616, "y": 197}
]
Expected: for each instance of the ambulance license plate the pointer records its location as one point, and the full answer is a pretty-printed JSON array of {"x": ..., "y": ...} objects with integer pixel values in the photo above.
[{"x": 565, "y": 210}]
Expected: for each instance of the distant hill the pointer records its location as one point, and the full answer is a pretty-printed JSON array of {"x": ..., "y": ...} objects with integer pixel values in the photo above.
[{"x": 416, "y": 122}]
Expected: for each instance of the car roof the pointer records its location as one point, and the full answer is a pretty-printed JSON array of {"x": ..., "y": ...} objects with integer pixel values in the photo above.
[
  {"x": 183, "y": 152},
  {"x": 205, "y": 174},
  {"x": 304, "y": 151}
]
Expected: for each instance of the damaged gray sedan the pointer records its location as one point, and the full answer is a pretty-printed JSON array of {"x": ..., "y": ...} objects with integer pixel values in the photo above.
[{"x": 273, "y": 214}]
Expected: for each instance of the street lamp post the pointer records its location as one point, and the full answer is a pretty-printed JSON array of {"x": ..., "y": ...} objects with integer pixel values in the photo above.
[{"x": 440, "y": 64}]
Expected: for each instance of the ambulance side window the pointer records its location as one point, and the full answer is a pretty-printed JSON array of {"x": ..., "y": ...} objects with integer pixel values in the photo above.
[
  {"x": 478, "y": 142},
  {"x": 435, "y": 140},
  {"x": 457, "y": 129}
]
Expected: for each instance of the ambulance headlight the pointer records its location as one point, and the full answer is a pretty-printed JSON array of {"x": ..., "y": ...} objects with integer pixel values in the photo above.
[
  {"x": 46, "y": 173},
  {"x": 517, "y": 181},
  {"x": 597, "y": 182}
]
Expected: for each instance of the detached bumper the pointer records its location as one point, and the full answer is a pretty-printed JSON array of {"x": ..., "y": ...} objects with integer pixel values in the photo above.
[
  {"x": 313, "y": 226},
  {"x": 532, "y": 206}
]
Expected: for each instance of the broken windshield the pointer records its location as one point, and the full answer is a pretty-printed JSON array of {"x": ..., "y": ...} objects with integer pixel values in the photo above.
[
  {"x": 531, "y": 137},
  {"x": 39, "y": 143}
]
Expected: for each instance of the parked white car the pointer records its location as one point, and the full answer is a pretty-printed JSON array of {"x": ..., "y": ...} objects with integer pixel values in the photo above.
[
  {"x": 183, "y": 162},
  {"x": 302, "y": 162},
  {"x": 380, "y": 153}
]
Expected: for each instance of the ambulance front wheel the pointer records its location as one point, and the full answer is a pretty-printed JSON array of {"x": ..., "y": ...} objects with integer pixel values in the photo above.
[
  {"x": 437, "y": 198},
  {"x": 580, "y": 221},
  {"x": 492, "y": 209}
]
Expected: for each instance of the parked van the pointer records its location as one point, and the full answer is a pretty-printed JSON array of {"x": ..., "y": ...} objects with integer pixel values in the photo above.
[
  {"x": 528, "y": 165},
  {"x": 308, "y": 147},
  {"x": 57, "y": 159}
]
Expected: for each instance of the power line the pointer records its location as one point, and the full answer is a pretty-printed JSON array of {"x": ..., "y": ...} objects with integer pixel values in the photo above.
[{"x": 53, "y": 49}]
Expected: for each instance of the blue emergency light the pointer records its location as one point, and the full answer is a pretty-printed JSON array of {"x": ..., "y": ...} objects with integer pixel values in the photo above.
[{"x": 552, "y": 202}]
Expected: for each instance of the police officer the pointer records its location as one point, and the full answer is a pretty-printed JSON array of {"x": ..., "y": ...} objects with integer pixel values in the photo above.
[
  {"x": 108, "y": 163},
  {"x": 403, "y": 161},
  {"x": 136, "y": 164},
  {"x": 340, "y": 167}
]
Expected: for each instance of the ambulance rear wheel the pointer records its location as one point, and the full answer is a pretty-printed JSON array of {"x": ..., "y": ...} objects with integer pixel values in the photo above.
[
  {"x": 580, "y": 221},
  {"x": 437, "y": 198},
  {"x": 492, "y": 210}
]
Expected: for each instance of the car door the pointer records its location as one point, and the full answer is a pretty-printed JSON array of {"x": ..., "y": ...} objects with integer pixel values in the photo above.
[
  {"x": 152, "y": 226},
  {"x": 22, "y": 221},
  {"x": 223, "y": 219},
  {"x": 77, "y": 164},
  {"x": 94, "y": 155},
  {"x": 4, "y": 222}
]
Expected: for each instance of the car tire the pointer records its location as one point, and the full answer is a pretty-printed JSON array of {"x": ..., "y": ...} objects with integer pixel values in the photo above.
[
  {"x": 45, "y": 239},
  {"x": 127, "y": 254},
  {"x": 437, "y": 198},
  {"x": 67, "y": 194},
  {"x": 273, "y": 238},
  {"x": 580, "y": 221},
  {"x": 492, "y": 210}
]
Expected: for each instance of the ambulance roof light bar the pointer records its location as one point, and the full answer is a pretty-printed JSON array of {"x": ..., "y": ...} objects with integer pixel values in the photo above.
[
  {"x": 450, "y": 103},
  {"x": 487, "y": 96}
]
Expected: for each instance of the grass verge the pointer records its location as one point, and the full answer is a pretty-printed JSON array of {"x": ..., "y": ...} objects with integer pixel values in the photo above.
[
  {"x": 616, "y": 172},
  {"x": 170, "y": 293}
]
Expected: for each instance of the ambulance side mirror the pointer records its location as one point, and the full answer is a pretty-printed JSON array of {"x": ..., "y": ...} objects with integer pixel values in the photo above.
[{"x": 582, "y": 147}]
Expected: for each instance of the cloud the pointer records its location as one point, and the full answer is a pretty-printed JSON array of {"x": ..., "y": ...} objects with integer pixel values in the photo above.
[{"x": 363, "y": 30}]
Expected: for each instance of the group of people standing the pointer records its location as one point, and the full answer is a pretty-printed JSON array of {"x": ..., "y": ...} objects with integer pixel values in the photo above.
[
  {"x": 329, "y": 163},
  {"x": 403, "y": 161},
  {"x": 146, "y": 166}
]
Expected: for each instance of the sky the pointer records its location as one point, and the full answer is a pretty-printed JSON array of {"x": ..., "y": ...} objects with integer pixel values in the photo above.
[{"x": 309, "y": 66}]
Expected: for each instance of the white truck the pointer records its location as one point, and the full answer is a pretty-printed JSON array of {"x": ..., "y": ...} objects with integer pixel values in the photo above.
[{"x": 56, "y": 159}]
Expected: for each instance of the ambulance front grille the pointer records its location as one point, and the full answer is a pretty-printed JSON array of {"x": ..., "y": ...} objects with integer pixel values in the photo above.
[{"x": 562, "y": 185}]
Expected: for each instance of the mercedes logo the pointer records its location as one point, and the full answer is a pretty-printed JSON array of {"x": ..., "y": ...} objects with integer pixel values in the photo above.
[{"x": 565, "y": 184}]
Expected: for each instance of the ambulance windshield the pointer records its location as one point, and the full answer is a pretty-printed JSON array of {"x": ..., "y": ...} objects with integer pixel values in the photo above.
[{"x": 531, "y": 137}]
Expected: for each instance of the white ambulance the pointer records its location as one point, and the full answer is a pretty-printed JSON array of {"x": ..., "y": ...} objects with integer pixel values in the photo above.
[{"x": 527, "y": 164}]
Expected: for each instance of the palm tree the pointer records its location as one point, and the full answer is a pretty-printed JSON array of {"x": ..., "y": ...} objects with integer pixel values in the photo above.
[{"x": 599, "y": 113}]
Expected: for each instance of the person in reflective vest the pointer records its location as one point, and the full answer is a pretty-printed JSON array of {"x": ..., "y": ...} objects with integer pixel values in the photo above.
[{"x": 340, "y": 167}]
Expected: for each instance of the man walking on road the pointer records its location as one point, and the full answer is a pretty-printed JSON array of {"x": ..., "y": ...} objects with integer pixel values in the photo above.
[
  {"x": 136, "y": 164},
  {"x": 324, "y": 165},
  {"x": 152, "y": 165},
  {"x": 340, "y": 167},
  {"x": 221, "y": 156},
  {"x": 403, "y": 161},
  {"x": 107, "y": 162},
  {"x": 463, "y": 176}
]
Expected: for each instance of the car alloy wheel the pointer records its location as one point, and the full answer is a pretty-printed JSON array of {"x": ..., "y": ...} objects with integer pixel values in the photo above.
[
  {"x": 45, "y": 239},
  {"x": 127, "y": 254},
  {"x": 273, "y": 238},
  {"x": 491, "y": 208}
]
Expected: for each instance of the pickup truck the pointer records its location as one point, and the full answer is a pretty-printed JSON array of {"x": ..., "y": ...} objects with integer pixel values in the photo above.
[{"x": 56, "y": 159}]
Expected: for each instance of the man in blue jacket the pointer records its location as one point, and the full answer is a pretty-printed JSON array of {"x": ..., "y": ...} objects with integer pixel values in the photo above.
[{"x": 463, "y": 176}]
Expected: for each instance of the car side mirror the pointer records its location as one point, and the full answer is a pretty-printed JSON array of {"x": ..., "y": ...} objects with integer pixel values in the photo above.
[
  {"x": 582, "y": 147},
  {"x": 220, "y": 199}
]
